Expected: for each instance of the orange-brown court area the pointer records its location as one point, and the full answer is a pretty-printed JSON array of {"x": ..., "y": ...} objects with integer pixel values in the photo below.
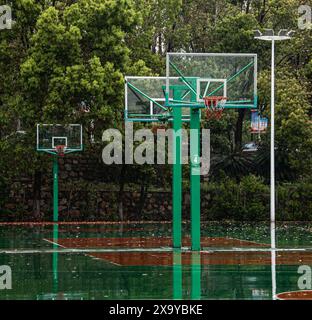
[{"x": 136, "y": 261}]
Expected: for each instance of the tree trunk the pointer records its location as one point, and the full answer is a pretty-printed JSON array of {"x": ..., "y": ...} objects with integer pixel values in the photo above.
[
  {"x": 144, "y": 187},
  {"x": 262, "y": 12},
  {"x": 238, "y": 138},
  {"x": 170, "y": 47},
  {"x": 121, "y": 192},
  {"x": 37, "y": 194}
]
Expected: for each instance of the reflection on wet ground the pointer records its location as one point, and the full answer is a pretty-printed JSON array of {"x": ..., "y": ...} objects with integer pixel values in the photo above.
[{"x": 135, "y": 261}]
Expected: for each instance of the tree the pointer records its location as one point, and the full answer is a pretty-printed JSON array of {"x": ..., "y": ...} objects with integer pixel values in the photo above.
[
  {"x": 66, "y": 56},
  {"x": 293, "y": 125}
]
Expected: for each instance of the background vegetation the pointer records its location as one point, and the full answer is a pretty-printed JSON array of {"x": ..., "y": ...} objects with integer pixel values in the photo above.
[{"x": 62, "y": 56}]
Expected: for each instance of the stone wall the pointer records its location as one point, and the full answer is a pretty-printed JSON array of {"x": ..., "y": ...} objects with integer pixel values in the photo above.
[
  {"x": 85, "y": 194},
  {"x": 93, "y": 205}
]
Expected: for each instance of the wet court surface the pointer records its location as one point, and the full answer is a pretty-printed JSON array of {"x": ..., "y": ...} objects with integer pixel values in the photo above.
[{"x": 136, "y": 261}]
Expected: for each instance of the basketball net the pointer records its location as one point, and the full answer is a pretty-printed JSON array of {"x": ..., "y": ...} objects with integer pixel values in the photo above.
[
  {"x": 60, "y": 150},
  {"x": 214, "y": 106}
]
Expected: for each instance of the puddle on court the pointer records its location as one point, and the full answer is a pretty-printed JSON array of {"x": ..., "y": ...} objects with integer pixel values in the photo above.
[
  {"x": 135, "y": 261},
  {"x": 81, "y": 276}
]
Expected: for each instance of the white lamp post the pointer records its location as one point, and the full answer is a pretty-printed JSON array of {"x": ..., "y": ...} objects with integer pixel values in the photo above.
[{"x": 268, "y": 35}]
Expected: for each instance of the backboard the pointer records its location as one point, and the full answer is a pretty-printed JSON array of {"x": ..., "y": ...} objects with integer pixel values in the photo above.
[
  {"x": 213, "y": 74},
  {"x": 259, "y": 124},
  {"x": 145, "y": 99},
  {"x": 51, "y": 136}
]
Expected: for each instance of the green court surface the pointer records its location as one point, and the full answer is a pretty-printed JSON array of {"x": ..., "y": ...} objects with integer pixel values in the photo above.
[{"x": 136, "y": 261}]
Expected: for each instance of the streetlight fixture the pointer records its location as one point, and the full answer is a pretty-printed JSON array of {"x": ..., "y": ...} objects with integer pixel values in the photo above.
[{"x": 269, "y": 35}]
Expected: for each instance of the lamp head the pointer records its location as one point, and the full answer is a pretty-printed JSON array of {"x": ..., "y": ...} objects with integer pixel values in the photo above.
[{"x": 269, "y": 35}]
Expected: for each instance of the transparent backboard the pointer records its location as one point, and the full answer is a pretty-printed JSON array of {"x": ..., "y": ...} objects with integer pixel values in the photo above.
[
  {"x": 145, "y": 99},
  {"x": 211, "y": 74},
  {"x": 50, "y": 136}
]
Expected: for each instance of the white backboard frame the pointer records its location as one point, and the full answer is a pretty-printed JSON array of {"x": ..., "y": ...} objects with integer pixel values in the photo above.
[
  {"x": 187, "y": 56},
  {"x": 52, "y": 149},
  {"x": 209, "y": 80}
]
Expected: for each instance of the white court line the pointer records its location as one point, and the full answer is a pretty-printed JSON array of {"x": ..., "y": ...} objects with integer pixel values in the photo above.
[
  {"x": 208, "y": 250},
  {"x": 256, "y": 250},
  {"x": 248, "y": 241},
  {"x": 97, "y": 258},
  {"x": 86, "y": 254},
  {"x": 53, "y": 242}
]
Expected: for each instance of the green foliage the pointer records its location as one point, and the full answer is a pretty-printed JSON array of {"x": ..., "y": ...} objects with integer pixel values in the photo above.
[
  {"x": 293, "y": 125},
  {"x": 154, "y": 35},
  {"x": 246, "y": 200},
  {"x": 58, "y": 57},
  {"x": 241, "y": 40},
  {"x": 62, "y": 55},
  {"x": 249, "y": 200},
  {"x": 234, "y": 165},
  {"x": 70, "y": 62},
  {"x": 295, "y": 201}
]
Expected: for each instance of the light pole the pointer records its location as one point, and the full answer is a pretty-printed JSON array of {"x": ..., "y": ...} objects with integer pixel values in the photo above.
[{"x": 269, "y": 35}]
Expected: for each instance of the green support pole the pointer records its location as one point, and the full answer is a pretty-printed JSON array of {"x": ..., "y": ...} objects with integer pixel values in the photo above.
[
  {"x": 55, "y": 258},
  {"x": 177, "y": 275},
  {"x": 195, "y": 178},
  {"x": 177, "y": 175},
  {"x": 196, "y": 276},
  {"x": 55, "y": 189}
]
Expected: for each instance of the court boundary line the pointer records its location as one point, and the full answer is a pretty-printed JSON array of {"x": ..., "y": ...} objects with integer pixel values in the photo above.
[
  {"x": 54, "y": 243},
  {"x": 233, "y": 247},
  {"x": 250, "y": 241},
  {"x": 160, "y": 249},
  {"x": 12, "y": 223},
  {"x": 85, "y": 253},
  {"x": 48, "y": 223}
]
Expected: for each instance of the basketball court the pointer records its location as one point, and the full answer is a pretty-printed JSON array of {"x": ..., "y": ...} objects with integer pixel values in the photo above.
[
  {"x": 136, "y": 260},
  {"x": 173, "y": 259}
]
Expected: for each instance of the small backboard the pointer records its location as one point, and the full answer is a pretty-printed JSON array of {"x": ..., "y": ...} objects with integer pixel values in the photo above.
[
  {"x": 229, "y": 75},
  {"x": 259, "y": 124},
  {"x": 145, "y": 99},
  {"x": 59, "y": 139}
]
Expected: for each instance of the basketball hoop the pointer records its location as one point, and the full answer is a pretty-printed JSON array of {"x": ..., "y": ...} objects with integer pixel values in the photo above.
[
  {"x": 214, "y": 106},
  {"x": 60, "y": 150}
]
